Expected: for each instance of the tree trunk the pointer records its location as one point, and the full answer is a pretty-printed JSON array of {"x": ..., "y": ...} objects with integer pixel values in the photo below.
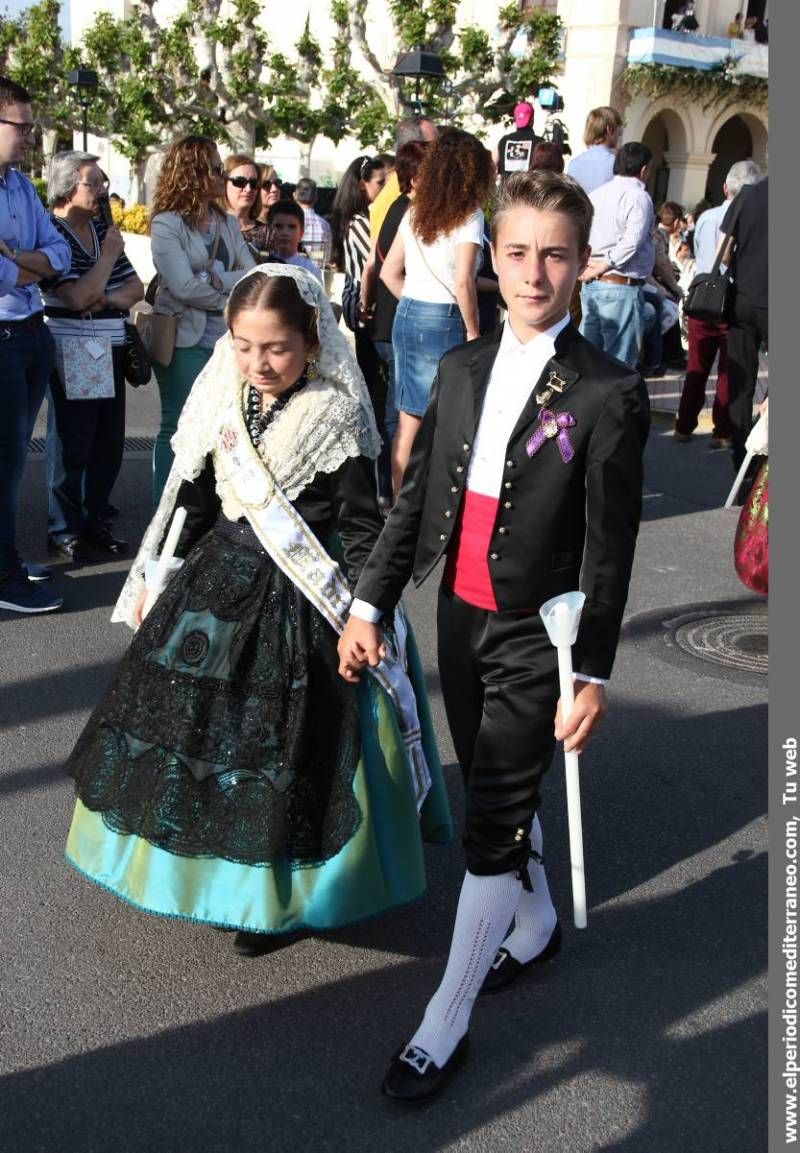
[
  {"x": 49, "y": 138},
  {"x": 138, "y": 186},
  {"x": 305, "y": 157},
  {"x": 243, "y": 135}
]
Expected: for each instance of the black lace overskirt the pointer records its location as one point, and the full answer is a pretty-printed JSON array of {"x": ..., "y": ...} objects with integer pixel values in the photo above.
[{"x": 226, "y": 731}]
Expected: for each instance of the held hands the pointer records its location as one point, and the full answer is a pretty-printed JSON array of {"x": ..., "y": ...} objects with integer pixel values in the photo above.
[
  {"x": 138, "y": 607},
  {"x": 360, "y": 644},
  {"x": 589, "y": 709}
]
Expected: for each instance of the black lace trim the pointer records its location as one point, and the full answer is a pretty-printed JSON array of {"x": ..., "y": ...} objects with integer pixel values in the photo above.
[{"x": 227, "y": 731}]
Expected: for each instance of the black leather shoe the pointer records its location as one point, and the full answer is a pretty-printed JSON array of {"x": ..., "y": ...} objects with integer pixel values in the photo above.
[
  {"x": 413, "y": 1077},
  {"x": 103, "y": 540},
  {"x": 70, "y": 547},
  {"x": 505, "y": 968}
]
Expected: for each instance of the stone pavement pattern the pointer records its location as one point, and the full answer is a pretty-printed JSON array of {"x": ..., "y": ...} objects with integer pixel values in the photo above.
[{"x": 123, "y": 1033}]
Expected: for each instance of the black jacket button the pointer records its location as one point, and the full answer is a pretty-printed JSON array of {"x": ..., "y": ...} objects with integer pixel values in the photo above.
[
  {"x": 447, "y": 512},
  {"x": 507, "y": 504},
  {"x": 503, "y": 530},
  {"x": 494, "y": 556},
  {"x": 442, "y": 536},
  {"x": 454, "y": 488}
]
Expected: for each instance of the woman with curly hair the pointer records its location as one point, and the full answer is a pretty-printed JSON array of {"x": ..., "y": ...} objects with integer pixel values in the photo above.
[
  {"x": 431, "y": 269},
  {"x": 242, "y": 199},
  {"x": 199, "y": 254}
]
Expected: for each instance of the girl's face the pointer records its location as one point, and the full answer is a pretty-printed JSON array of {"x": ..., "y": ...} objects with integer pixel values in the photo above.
[
  {"x": 375, "y": 183},
  {"x": 270, "y": 193},
  {"x": 241, "y": 187},
  {"x": 270, "y": 355}
]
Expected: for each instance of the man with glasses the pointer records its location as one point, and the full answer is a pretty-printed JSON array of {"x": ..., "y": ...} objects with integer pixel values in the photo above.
[{"x": 30, "y": 250}]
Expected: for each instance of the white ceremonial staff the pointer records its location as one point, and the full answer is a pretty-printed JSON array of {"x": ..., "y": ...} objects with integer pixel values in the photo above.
[
  {"x": 757, "y": 444},
  {"x": 561, "y": 616},
  {"x": 156, "y": 572}
]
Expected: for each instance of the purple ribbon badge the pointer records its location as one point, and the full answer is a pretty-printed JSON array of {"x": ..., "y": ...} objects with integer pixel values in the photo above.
[{"x": 553, "y": 426}]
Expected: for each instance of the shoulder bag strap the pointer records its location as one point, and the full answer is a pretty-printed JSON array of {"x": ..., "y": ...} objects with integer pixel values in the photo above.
[{"x": 737, "y": 208}]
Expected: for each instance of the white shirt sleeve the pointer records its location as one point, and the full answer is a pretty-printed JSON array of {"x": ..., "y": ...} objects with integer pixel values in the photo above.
[
  {"x": 365, "y": 611},
  {"x": 471, "y": 231}
]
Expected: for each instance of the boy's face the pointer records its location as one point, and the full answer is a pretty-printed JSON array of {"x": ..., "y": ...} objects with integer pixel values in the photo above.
[
  {"x": 287, "y": 232},
  {"x": 537, "y": 261}
]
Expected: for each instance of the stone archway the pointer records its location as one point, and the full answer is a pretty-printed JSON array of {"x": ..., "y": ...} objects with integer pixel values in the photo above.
[
  {"x": 738, "y": 136},
  {"x": 665, "y": 136}
]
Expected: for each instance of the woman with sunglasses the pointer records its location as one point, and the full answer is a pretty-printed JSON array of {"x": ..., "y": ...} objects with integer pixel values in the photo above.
[
  {"x": 270, "y": 192},
  {"x": 361, "y": 183},
  {"x": 242, "y": 199},
  {"x": 199, "y": 254}
]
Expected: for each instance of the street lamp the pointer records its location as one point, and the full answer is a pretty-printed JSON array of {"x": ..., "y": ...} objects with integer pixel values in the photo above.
[
  {"x": 86, "y": 82},
  {"x": 418, "y": 64}
]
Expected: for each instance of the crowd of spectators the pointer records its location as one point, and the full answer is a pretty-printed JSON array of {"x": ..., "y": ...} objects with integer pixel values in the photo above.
[{"x": 409, "y": 234}]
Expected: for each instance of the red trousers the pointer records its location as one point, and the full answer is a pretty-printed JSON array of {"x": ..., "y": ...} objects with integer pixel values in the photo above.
[{"x": 705, "y": 340}]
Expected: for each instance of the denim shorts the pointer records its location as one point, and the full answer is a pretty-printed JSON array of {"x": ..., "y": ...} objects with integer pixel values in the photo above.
[{"x": 421, "y": 335}]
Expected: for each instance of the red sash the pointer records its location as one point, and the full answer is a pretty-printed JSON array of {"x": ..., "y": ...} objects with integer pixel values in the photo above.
[{"x": 467, "y": 571}]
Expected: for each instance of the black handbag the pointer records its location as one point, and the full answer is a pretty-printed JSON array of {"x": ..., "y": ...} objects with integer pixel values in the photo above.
[
  {"x": 138, "y": 366},
  {"x": 710, "y": 295}
]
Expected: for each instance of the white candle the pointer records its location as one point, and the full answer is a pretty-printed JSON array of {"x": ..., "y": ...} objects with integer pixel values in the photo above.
[{"x": 561, "y": 616}]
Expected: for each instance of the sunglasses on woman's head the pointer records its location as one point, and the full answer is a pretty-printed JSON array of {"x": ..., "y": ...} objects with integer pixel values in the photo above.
[{"x": 243, "y": 182}]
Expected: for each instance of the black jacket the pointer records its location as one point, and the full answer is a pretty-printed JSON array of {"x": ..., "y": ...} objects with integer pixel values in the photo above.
[
  {"x": 560, "y": 526},
  {"x": 343, "y": 502}
]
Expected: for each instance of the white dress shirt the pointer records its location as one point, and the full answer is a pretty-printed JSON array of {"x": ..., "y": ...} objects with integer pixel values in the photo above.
[{"x": 515, "y": 373}]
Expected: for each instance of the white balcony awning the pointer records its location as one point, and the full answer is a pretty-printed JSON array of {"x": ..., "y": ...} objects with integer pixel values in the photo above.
[{"x": 688, "y": 50}]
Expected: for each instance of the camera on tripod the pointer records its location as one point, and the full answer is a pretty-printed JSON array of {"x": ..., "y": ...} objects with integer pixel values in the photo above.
[{"x": 550, "y": 99}]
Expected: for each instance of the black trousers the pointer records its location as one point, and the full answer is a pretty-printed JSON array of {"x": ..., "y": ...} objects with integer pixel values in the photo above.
[
  {"x": 92, "y": 438},
  {"x": 746, "y": 334},
  {"x": 499, "y": 676}
]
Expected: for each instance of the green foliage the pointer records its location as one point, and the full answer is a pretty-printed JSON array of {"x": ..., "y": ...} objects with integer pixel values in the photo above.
[
  {"x": 33, "y": 54},
  {"x": 41, "y": 189},
  {"x": 721, "y": 85}
]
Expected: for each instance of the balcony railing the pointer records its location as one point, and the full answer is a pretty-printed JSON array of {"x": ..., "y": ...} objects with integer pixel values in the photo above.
[{"x": 688, "y": 50}]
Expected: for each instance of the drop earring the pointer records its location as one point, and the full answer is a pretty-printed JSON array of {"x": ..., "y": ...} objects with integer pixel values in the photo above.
[{"x": 312, "y": 368}]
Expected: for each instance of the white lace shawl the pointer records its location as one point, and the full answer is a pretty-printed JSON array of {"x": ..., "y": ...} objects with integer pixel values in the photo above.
[{"x": 328, "y": 421}]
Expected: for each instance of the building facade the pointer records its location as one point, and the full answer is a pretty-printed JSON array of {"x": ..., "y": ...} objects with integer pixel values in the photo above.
[{"x": 694, "y": 140}]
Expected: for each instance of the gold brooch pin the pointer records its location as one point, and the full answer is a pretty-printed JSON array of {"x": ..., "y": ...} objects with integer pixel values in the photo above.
[{"x": 555, "y": 383}]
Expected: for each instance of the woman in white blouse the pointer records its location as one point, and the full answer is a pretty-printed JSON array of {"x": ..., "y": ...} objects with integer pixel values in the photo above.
[{"x": 431, "y": 268}]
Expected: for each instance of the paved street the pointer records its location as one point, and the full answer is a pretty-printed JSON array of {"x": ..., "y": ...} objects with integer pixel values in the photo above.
[{"x": 123, "y": 1033}]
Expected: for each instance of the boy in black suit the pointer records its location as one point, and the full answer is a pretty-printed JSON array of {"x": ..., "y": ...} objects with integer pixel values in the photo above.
[{"x": 526, "y": 473}]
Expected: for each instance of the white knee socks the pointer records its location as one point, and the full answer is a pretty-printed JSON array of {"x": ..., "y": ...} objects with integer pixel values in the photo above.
[
  {"x": 485, "y": 908},
  {"x": 535, "y": 917}
]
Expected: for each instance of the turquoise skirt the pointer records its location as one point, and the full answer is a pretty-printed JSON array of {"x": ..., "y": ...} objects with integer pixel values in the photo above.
[{"x": 156, "y": 820}]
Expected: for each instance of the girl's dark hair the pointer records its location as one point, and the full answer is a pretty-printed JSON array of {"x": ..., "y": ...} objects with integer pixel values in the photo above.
[
  {"x": 350, "y": 199},
  {"x": 456, "y": 176},
  {"x": 278, "y": 294},
  {"x": 409, "y": 158},
  {"x": 548, "y": 156}
]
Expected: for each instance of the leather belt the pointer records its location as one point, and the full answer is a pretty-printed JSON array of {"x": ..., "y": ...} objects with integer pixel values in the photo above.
[{"x": 616, "y": 278}]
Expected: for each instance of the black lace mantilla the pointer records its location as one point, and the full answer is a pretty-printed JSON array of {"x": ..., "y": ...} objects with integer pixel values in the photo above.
[{"x": 227, "y": 731}]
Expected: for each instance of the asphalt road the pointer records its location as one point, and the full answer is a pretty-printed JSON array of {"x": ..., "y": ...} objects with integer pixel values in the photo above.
[{"x": 123, "y": 1033}]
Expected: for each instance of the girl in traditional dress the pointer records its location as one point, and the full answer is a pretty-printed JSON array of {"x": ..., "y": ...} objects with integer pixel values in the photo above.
[{"x": 228, "y": 776}]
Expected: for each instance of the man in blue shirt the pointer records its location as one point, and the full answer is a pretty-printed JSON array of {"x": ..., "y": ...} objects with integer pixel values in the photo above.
[
  {"x": 707, "y": 339},
  {"x": 30, "y": 250},
  {"x": 623, "y": 255}
]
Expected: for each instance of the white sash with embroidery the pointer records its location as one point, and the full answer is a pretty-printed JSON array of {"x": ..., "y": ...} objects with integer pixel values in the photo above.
[{"x": 297, "y": 553}]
